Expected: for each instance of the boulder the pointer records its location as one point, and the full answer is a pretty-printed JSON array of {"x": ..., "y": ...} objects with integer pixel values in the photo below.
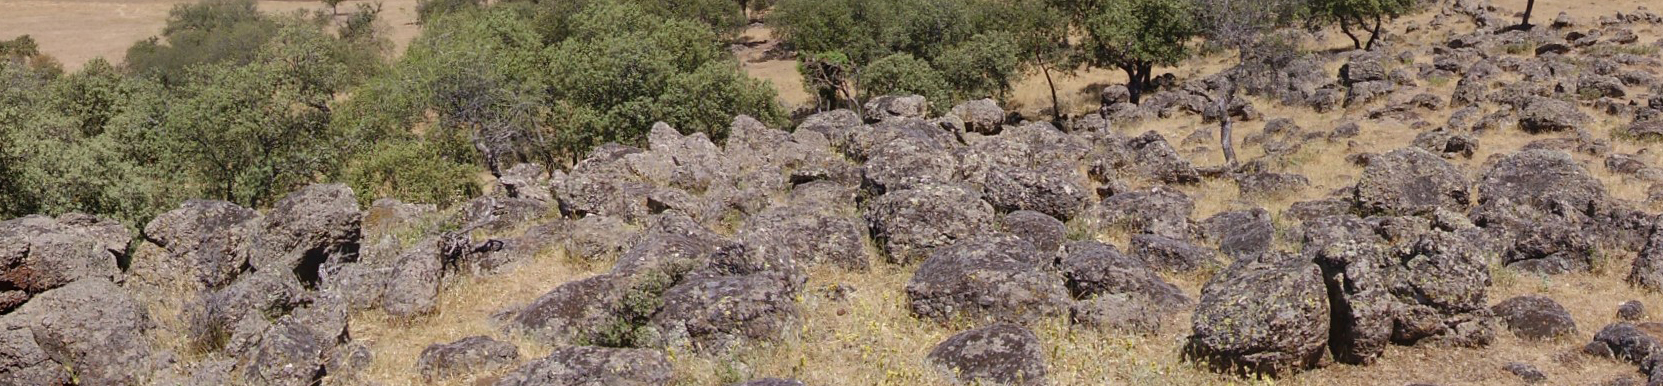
[
  {"x": 904, "y": 154},
  {"x": 24, "y": 361},
  {"x": 1160, "y": 211},
  {"x": 990, "y": 277},
  {"x": 1363, "y": 309},
  {"x": 1647, "y": 271},
  {"x": 716, "y": 314},
  {"x": 1526, "y": 372},
  {"x": 204, "y": 246},
  {"x": 1268, "y": 316},
  {"x": 1629, "y": 342},
  {"x": 1117, "y": 291},
  {"x": 413, "y": 285},
  {"x": 606, "y": 183},
  {"x": 95, "y": 328},
  {"x": 1160, "y": 161},
  {"x": 1171, "y": 255},
  {"x": 896, "y": 106},
  {"x": 288, "y": 354},
  {"x": 308, "y": 229},
  {"x": 579, "y": 310},
  {"x": 808, "y": 236},
  {"x": 1442, "y": 282},
  {"x": 1411, "y": 181},
  {"x": 1551, "y": 115},
  {"x": 1241, "y": 234},
  {"x": 981, "y": 115},
  {"x": 1534, "y": 317},
  {"x": 1270, "y": 184},
  {"x": 999, "y": 354},
  {"x": 591, "y": 365},
  {"x": 1551, "y": 249},
  {"x": 39, "y": 253},
  {"x": 1631, "y": 310},
  {"x": 1045, "y": 232},
  {"x": 907, "y": 224},
  {"x": 471, "y": 355}
]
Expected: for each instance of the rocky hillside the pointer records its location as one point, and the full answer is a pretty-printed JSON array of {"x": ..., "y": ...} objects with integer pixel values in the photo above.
[{"x": 1483, "y": 209}]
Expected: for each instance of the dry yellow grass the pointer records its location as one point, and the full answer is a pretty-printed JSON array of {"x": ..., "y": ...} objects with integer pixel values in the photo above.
[{"x": 75, "y": 31}]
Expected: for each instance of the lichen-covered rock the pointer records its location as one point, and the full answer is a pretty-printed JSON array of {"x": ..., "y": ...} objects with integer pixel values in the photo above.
[
  {"x": 312, "y": 227},
  {"x": 1411, "y": 181},
  {"x": 1158, "y": 160},
  {"x": 989, "y": 277},
  {"x": 1171, "y": 255},
  {"x": 1160, "y": 211},
  {"x": 204, "y": 246},
  {"x": 1270, "y": 184},
  {"x": 1534, "y": 317},
  {"x": 1362, "y": 310},
  {"x": 1551, "y": 115},
  {"x": 413, "y": 285},
  {"x": 1029, "y": 167},
  {"x": 593, "y": 366},
  {"x": 1631, "y": 311},
  {"x": 715, "y": 314},
  {"x": 94, "y": 328},
  {"x": 288, "y": 354},
  {"x": 471, "y": 355},
  {"x": 1241, "y": 234},
  {"x": 606, "y": 183},
  {"x": 1629, "y": 342},
  {"x": 1117, "y": 291},
  {"x": 999, "y": 354},
  {"x": 39, "y": 253},
  {"x": 809, "y": 236},
  {"x": 905, "y": 154},
  {"x": 1045, "y": 232},
  {"x": 981, "y": 115},
  {"x": 575, "y": 311},
  {"x": 896, "y": 106},
  {"x": 1442, "y": 282},
  {"x": 24, "y": 362},
  {"x": 1551, "y": 249},
  {"x": 1268, "y": 316},
  {"x": 1647, "y": 272},
  {"x": 907, "y": 224}
]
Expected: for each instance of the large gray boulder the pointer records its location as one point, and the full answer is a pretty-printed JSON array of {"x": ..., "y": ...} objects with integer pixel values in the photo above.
[
  {"x": 1030, "y": 167},
  {"x": 288, "y": 354},
  {"x": 593, "y": 366},
  {"x": 39, "y": 253},
  {"x": 92, "y": 327},
  {"x": 1268, "y": 316},
  {"x": 24, "y": 362},
  {"x": 809, "y": 236},
  {"x": 906, "y": 153},
  {"x": 1045, "y": 232},
  {"x": 896, "y": 107},
  {"x": 1534, "y": 317},
  {"x": 1159, "y": 160},
  {"x": 606, "y": 183},
  {"x": 413, "y": 285},
  {"x": 1171, "y": 255},
  {"x": 717, "y": 314},
  {"x": 1411, "y": 181},
  {"x": 1241, "y": 234},
  {"x": 308, "y": 229},
  {"x": 203, "y": 245},
  {"x": 471, "y": 355},
  {"x": 1159, "y": 211},
  {"x": 992, "y": 277},
  {"x": 999, "y": 354},
  {"x": 907, "y": 224},
  {"x": 1551, "y": 115},
  {"x": 1647, "y": 271},
  {"x": 577, "y": 310},
  {"x": 981, "y": 115}
]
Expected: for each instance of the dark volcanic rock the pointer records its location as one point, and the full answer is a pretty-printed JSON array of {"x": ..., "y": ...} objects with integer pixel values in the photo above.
[
  {"x": 1410, "y": 181},
  {"x": 1631, "y": 310},
  {"x": 714, "y": 314},
  {"x": 992, "y": 277},
  {"x": 1171, "y": 255},
  {"x": 1092, "y": 268},
  {"x": 471, "y": 355},
  {"x": 39, "y": 253},
  {"x": 909, "y": 223},
  {"x": 91, "y": 327},
  {"x": 1045, "y": 232},
  {"x": 1000, "y": 354},
  {"x": 590, "y": 365},
  {"x": 1241, "y": 234},
  {"x": 1160, "y": 211},
  {"x": 1534, "y": 317},
  {"x": 1269, "y": 317}
]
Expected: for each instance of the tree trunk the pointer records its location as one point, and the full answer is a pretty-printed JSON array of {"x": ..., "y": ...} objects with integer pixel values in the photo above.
[
  {"x": 1134, "y": 84},
  {"x": 1226, "y": 125},
  {"x": 1375, "y": 34},
  {"x": 1056, "y": 108},
  {"x": 1346, "y": 27},
  {"x": 1528, "y": 6}
]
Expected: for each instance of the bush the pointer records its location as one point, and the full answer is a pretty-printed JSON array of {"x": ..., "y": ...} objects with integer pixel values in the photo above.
[
  {"x": 412, "y": 171},
  {"x": 904, "y": 74}
]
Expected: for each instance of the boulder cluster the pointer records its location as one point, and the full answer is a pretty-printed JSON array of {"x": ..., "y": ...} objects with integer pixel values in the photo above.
[{"x": 710, "y": 242}]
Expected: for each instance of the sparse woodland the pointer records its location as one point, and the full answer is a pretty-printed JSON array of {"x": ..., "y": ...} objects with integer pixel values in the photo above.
[{"x": 604, "y": 192}]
